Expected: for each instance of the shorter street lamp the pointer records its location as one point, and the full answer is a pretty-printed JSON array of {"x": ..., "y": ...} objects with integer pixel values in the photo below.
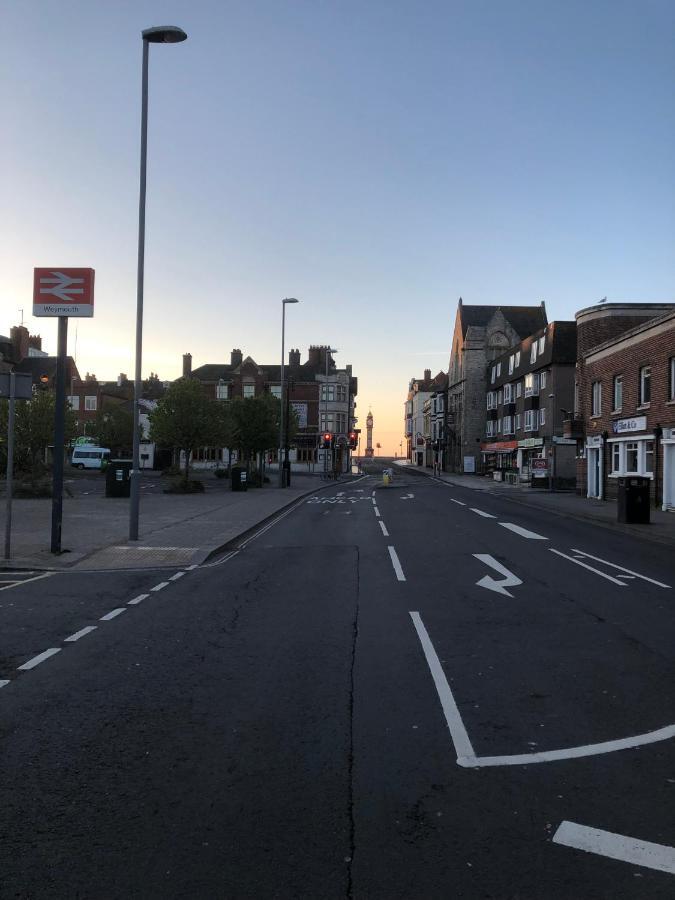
[{"x": 283, "y": 482}]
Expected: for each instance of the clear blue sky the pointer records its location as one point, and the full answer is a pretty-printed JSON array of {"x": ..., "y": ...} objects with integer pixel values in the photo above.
[{"x": 375, "y": 159}]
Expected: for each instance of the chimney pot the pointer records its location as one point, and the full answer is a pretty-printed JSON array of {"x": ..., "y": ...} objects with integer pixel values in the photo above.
[
  {"x": 236, "y": 357},
  {"x": 187, "y": 365},
  {"x": 427, "y": 374}
]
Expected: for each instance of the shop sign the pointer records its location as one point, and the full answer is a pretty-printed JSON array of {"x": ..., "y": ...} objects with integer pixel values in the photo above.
[
  {"x": 622, "y": 426},
  {"x": 500, "y": 447},
  {"x": 531, "y": 442},
  {"x": 562, "y": 440},
  {"x": 595, "y": 441},
  {"x": 539, "y": 464}
]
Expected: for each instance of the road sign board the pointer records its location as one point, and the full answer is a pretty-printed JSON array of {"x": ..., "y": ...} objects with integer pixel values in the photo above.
[
  {"x": 63, "y": 292},
  {"x": 23, "y": 386}
]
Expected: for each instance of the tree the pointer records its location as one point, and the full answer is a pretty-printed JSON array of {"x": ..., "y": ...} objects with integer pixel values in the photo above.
[
  {"x": 152, "y": 388},
  {"x": 256, "y": 425},
  {"x": 115, "y": 429},
  {"x": 184, "y": 419},
  {"x": 224, "y": 433},
  {"x": 34, "y": 430}
]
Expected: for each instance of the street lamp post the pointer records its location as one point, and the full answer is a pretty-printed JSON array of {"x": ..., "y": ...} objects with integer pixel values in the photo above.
[
  {"x": 164, "y": 34},
  {"x": 281, "y": 418},
  {"x": 329, "y": 352}
]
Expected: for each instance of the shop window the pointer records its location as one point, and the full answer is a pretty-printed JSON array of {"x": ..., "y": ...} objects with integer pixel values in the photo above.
[
  {"x": 649, "y": 457},
  {"x": 632, "y": 457},
  {"x": 618, "y": 393},
  {"x": 596, "y": 398},
  {"x": 645, "y": 385},
  {"x": 616, "y": 458}
]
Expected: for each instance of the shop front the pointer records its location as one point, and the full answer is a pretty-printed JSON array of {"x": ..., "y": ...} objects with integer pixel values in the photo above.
[
  {"x": 500, "y": 460},
  {"x": 529, "y": 449},
  {"x": 668, "y": 451}
]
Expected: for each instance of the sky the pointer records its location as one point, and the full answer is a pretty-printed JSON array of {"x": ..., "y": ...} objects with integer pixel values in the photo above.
[{"x": 377, "y": 160}]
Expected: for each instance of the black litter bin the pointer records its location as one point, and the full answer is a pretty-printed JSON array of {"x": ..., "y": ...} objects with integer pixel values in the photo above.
[
  {"x": 118, "y": 478},
  {"x": 238, "y": 479},
  {"x": 287, "y": 473},
  {"x": 633, "y": 505}
]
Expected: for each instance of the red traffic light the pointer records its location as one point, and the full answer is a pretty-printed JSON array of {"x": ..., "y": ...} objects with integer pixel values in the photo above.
[
  {"x": 353, "y": 440},
  {"x": 327, "y": 439}
]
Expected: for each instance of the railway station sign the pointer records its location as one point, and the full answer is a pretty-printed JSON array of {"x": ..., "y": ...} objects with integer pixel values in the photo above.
[{"x": 65, "y": 292}]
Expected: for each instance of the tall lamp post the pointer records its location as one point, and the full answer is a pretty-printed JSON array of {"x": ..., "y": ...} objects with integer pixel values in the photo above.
[
  {"x": 282, "y": 468},
  {"x": 329, "y": 353},
  {"x": 163, "y": 34}
]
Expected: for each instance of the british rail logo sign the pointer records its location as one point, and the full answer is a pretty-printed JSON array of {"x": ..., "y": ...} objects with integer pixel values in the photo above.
[{"x": 63, "y": 292}]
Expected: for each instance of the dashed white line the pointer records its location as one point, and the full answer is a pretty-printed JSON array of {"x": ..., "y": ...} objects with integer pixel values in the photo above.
[
  {"x": 176, "y": 576},
  {"x": 138, "y": 599},
  {"x": 396, "y": 564},
  {"x": 458, "y": 502},
  {"x": 41, "y": 657},
  {"x": 523, "y": 532},
  {"x": 81, "y": 633},
  {"x": 616, "y": 846},
  {"x": 3, "y": 682},
  {"x": 578, "y": 562},
  {"x": 384, "y": 530},
  {"x": 112, "y": 614},
  {"x": 160, "y": 586},
  {"x": 377, "y": 512},
  {"x": 479, "y": 512},
  {"x": 192, "y": 567}
]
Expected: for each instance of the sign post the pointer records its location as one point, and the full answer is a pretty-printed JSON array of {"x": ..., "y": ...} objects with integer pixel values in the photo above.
[{"x": 61, "y": 293}]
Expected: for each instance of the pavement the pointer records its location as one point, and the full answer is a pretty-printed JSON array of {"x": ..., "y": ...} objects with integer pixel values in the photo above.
[
  {"x": 174, "y": 529},
  {"x": 412, "y": 692},
  {"x": 660, "y": 529}
]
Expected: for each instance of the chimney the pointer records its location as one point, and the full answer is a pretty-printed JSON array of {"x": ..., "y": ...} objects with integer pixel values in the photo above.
[
  {"x": 121, "y": 379},
  {"x": 35, "y": 342},
  {"x": 20, "y": 342},
  {"x": 187, "y": 365},
  {"x": 427, "y": 374},
  {"x": 236, "y": 358},
  {"x": 315, "y": 358},
  {"x": 294, "y": 358}
]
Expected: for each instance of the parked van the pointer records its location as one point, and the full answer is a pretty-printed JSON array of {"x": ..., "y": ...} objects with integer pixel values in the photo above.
[{"x": 86, "y": 457}]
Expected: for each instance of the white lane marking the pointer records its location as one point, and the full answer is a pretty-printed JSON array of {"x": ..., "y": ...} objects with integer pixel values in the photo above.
[
  {"x": 523, "y": 759},
  {"x": 192, "y": 567},
  {"x": 630, "y": 573},
  {"x": 377, "y": 512},
  {"x": 458, "y": 733},
  {"x": 81, "y": 633},
  {"x": 112, "y": 614},
  {"x": 138, "y": 599},
  {"x": 578, "y": 562},
  {"x": 479, "y": 512},
  {"x": 374, "y": 500},
  {"x": 27, "y": 581},
  {"x": 458, "y": 502},
  {"x": 36, "y": 660},
  {"x": 372, "y": 494},
  {"x": 160, "y": 586},
  {"x": 271, "y": 524},
  {"x": 218, "y": 562},
  {"x": 3, "y": 682},
  {"x": 384, "y": 529},
  {"x": 616, "y": 846},
  {"x": 499, "y": 587},
  {"x": 523, "y": 532},
  {"x": 176, "y": 576},
  {"x": 396, "y": 564}
]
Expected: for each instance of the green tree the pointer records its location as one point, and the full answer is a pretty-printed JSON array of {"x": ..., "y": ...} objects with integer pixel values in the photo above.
[
  {"x": 256, "y": 426},
  {"x": 224, "y": 427},
  {"x": 183, "y": 419},
  {"x": 115, "y": 429},
  {"x": 34, "y": 431}
]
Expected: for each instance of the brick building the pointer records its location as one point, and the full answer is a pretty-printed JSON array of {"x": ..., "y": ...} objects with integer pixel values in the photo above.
[
  {"x": 530, "y": 391},
  {"x": 624, "y": 413},
  {"x": 481, "y": 333}
]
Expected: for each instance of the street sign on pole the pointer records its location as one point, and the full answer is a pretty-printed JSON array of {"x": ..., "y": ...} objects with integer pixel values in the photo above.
[
  {"x": 63, "y": 292},
  {"x": 23, "y": 386}
]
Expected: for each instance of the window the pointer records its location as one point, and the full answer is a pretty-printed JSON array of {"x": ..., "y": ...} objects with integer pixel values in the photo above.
[
  {"x": 618, "y": 393},
  {"x": 328, "y": 393},
  {"x": 531, "y": 384},
  {"x": 508, "y": 424},
  {"x": 222, "y": 391},
  {"x": 488, "y": 428},
  {"x": 616, "y": 458},
  {"x": 533, "y": 352},
  {"x": 492, "y": 376},
  {"x": 275, "y": 391},
  {"x": 517, "y": 358},
  {"x": 512, "y": 360},
  {"x": 631, "y": 456},
  {"x": 576, "y": 398},
  {"x": 530, "y": 420},
  {"x": 499, "y": 369},
  {"x": 542, "y": 380},
  {"x": 327, "y": 422},
  {"x": 342, "y": 393},
  {"x": 74, "y": 402},
  {"x": 90, "y": 403},
  {"x": 500, "y": 397},
  {"x": 341, "y": 420},
  {"x": 596, "y": 398},
  {"x": 649, "y": 457},
  {"x": 542, "y": 416},
  {"x": 248, "y": 391},
  {"x": 645, "y": 385},
  {"x": 519, "y": 389},
  {"x": 492, "y": 400},
  {"x": 518, "y": 421},
  {"x": 542, "y": 341},
  {"x": 508, "y": 393},
  {"x": 499, "y": 425}
]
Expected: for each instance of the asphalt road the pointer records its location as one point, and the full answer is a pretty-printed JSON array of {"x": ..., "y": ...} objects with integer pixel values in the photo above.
[{"x": 429, "y": 692}]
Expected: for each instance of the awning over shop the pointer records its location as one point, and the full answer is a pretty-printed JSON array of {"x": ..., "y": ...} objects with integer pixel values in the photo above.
[{"x": 499, "y": 447}]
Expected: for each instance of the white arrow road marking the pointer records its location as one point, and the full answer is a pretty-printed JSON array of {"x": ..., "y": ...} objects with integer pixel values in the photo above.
[
  {"x": 523, "y": 532},
  {"x": 62, "y": 286},
  {"x": 629, "y": 572},
  {"x": 616, "y": 846},
  {"x": 499, "y": 587}
]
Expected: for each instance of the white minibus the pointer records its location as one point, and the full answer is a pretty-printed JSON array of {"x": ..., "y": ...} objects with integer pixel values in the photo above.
[{"x": 86, "y": 457}]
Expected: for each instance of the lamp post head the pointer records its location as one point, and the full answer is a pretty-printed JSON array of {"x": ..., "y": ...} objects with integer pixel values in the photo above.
[
  {"x": 164, "y": 34},
  {"x": 290, "y": 300}
]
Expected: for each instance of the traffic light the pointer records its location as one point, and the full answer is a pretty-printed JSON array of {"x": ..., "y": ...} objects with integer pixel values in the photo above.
[
  {"x": 353, "y": 440},
  {"x": 327, "y": 440}
]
